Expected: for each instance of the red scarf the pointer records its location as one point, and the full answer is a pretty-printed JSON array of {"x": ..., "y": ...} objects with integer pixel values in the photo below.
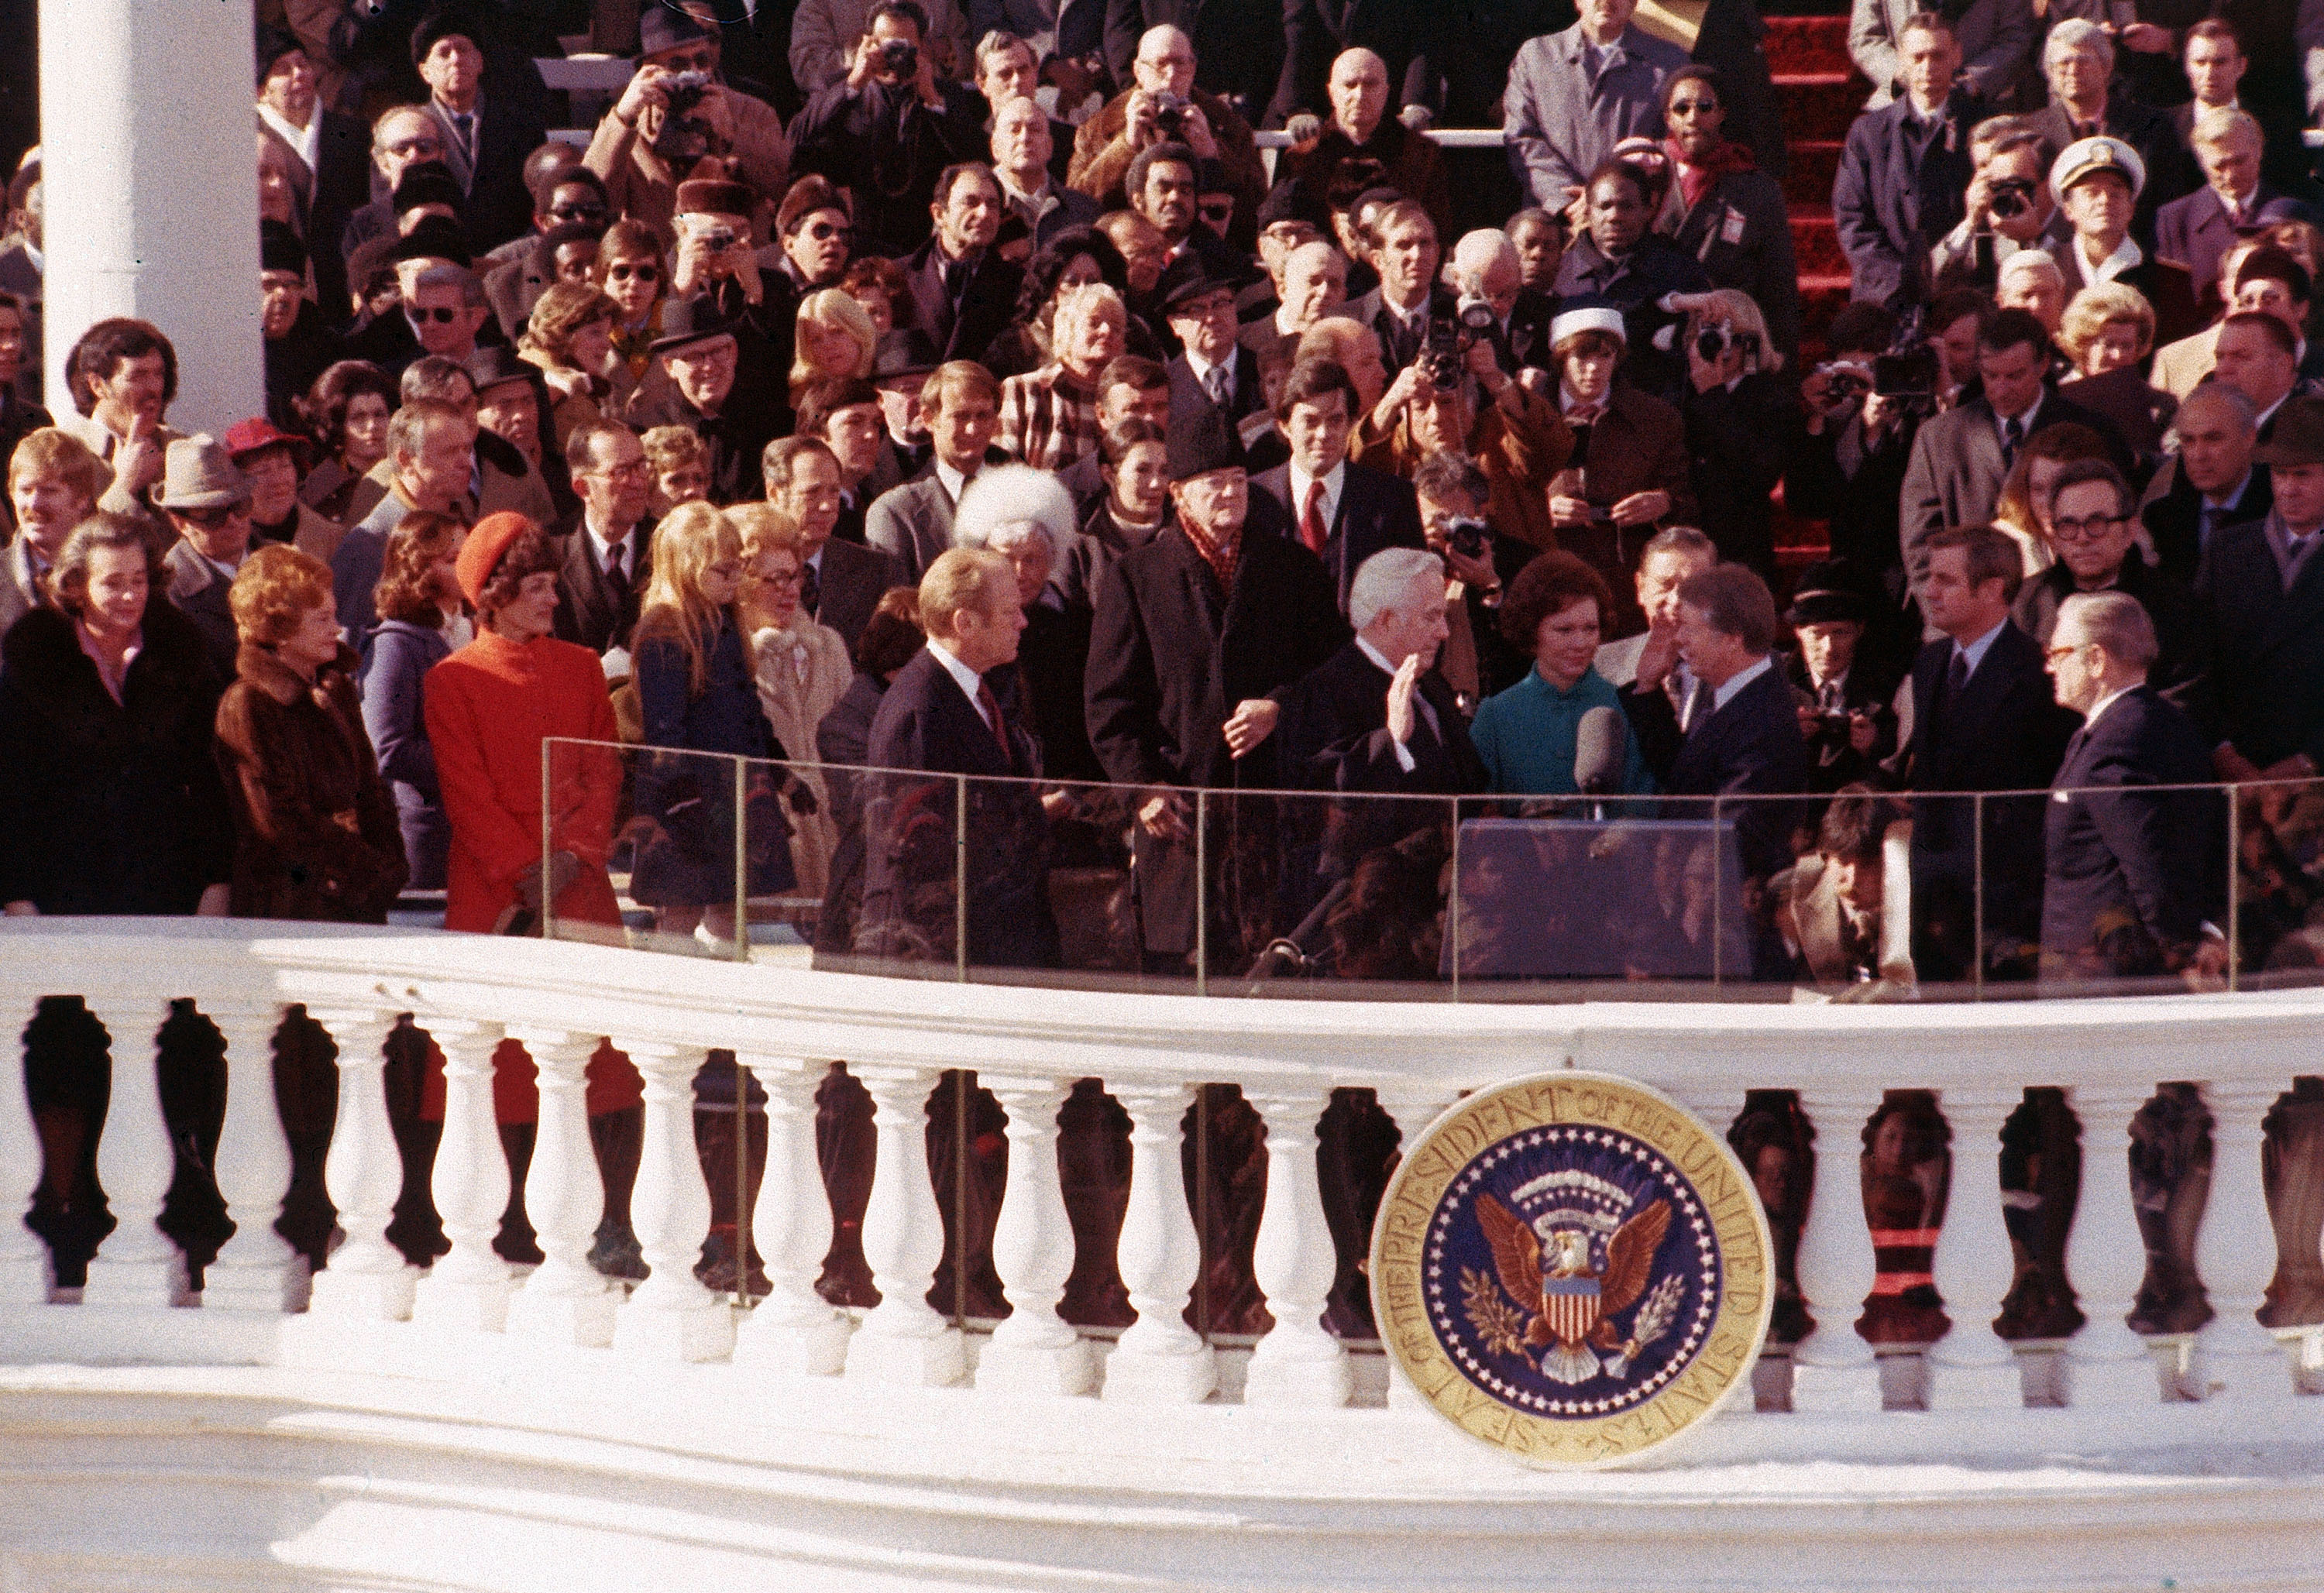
[{"x": 1695, "y": 181}]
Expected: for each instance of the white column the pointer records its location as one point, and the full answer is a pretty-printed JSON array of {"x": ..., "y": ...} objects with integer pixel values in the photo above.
[
  {"x": 467, "y": 1290},
  {"x": 1033, "y": 1351},
  {"x": 1413, "y": 1105},
  {"x": 794, "y": 1329},
  {"x": 366, "y": 1277},
  {"x": 2107, "y": 1363},
  {"x": 1973, "y": 1367},
  {"x": 1159, "y": 1358},
  {"x": 25, "y": 1274},
  {"x": 1832, "y": 1368},
  {"x": 2235, "y": 1358},
  {"x": 903, "y": 1340},
  {"x": 257, "y": 1270},
  {"x": 1298, "y": 1363},
  {"x": 565, "y": 1301},
  {"x": 671, "y": 1316},
  {"x": 151, "y": 192},
  {"x": 138, "y": 1264}
]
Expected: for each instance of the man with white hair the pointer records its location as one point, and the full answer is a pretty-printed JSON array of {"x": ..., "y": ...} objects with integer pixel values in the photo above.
[
  {"x": 1485, "y": 271},
  {"x": 1049, "y": 417},
  {"x": 1377, "y": 715},
  {"x": 2077, "y": 60},
  {"x": 2199, "y": 230},
  {"x": 1164, "y": 106},
  {"x": 2031, "y": 281},
  {"x": 2210, "y": 483},
  {"x": 2134, "y": 877}
]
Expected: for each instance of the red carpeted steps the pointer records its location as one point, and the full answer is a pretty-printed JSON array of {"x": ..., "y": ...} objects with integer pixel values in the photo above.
[{"x": 1822, "y": 93}]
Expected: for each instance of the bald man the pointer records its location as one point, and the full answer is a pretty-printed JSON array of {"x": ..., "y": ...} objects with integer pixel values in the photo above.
[
  {"x": 1164, "y": 105},
  {"x": 1362, "y": 124},
  {"x": 1314, "y": 285}
]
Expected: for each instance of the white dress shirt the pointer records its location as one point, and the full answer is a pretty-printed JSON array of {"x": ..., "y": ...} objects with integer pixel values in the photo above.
[
  {"x": 1334, "y": 481},
  {"x": 1724, "y": 695}
]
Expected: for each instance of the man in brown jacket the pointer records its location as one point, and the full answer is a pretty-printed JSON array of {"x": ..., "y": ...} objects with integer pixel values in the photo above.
[{"x": 1166, "y": 107}]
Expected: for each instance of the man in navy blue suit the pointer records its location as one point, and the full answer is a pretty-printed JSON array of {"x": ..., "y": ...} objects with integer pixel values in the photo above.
[
  {"x": 2134, "y": 878},
  {"x": 939, "y": 715},
  {"x": 1743, "y": 738},
  {"x": 1340, "y": 511}
]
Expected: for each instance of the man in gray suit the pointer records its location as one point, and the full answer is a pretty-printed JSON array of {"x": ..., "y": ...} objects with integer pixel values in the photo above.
[
  {"x": 1997, "y": 45},
  {"x": 912, "y": 523},
  {"x": 840, "y": 582},
  {"x": 207, "y": 501},
  {"x": 1573, "y": 96}
]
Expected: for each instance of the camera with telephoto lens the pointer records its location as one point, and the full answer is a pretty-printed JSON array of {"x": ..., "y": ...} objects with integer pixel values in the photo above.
[
  {"x": 2010, "y": 197},
  {"x": 1717, "y": 338},
  {"x": 684, "y": 136},
  {"x": 1169, "y": 116},
  {"x": 1468, "y": 538},
  {"x": 901, "y": 58},
  {"x": 1477, "y": 317}
]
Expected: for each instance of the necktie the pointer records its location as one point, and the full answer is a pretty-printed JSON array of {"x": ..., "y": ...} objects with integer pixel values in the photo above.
[
  {"x": 992, "y": 707},
  {"x": 2013, "y": 433},
  {"x": 2207, "y": 521},
  {"x": 1957, "y": 677},
  {"x": 810, "y": 590},
  {"x": 465, "y": 125},
  {"x": 1311, "y": 520},
  {"x": 1214, "y": 383},
  {"x": 617, "y": 573}
]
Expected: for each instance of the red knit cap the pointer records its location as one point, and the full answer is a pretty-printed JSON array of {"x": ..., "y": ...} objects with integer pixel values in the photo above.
[{"x": 480, "y": 555}]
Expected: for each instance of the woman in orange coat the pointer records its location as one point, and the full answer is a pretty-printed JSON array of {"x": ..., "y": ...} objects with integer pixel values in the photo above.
[{"x": 490, "y": 707}]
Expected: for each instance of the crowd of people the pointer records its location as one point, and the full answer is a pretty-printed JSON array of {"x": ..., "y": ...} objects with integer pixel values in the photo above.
[{"x": 982, "y": 404}]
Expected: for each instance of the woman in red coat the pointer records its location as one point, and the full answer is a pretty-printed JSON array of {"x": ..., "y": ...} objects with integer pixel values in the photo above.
[{"x": 490, "y": 707}]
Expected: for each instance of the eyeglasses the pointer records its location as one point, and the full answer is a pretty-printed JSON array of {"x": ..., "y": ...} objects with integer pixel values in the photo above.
[
  {"x": 442, "y": 315},
  {"x": 823, "y": 231},
  {"x": 2082, "y": 530},
  {"x": 590, "y": 212},
  {"x": 647, "y": 272},
  {"x": 1688, "y": 107},
  {"x": 2054, "y": 654},
  {"x": 211, "y": 519},
  {"x": 1220, "y": 211},
  {"x": 699, "y": 61}
]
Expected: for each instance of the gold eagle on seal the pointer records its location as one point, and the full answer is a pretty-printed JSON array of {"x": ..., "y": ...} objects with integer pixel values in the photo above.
[{"x": 1550, "y": 1299}]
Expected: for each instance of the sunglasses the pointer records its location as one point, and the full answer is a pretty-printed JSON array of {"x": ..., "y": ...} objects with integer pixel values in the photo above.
[
  {"x": 1220, "y": 212},
  {"x": 643, "y": 273},
  {"x": 578, "y": 212},
  {"x": 823, "y": 231},
  {"x": 440, "y": 315}
]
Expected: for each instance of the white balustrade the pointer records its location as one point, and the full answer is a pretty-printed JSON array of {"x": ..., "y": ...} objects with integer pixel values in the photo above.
[
  {"x": 794, "y": 1329},
  {"x": 1032, "y": 1352},
  {"x": 1298, "y": 1363},
  {"x": 257, "y": 1269},
  {"x": 1834, "y": 1368},
  {"x": 2107, "y": 1363},
  {"x": 366, "y": 1278},
  {"x": 1412, "y": 1105},
  {"x": 25, "y": 1274},
  {"x": 565, "y": 1301},
  {"x": 2235, "y": 1358},
  {"x": 903, "y": 1340},
  {"x": 1159, "y": 1358},
  {"x": 137, "y": 1264},
  {"x": 671, "y": 1316},
  {"x": 1973, "y": 1367},
  {"x": 469, "y": 1289}
]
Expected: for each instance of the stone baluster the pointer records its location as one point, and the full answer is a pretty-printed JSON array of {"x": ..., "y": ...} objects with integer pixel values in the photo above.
[
  {"x": 1834, "y": 1368},
  {"x": 366, "y": 1277},
  {"x": 138, "y": 1264},
  {"x": 1033, "y": 1351},
  {"x": 469, "y": 1289},
  {"x": 2107, "y": 1363},
  {"x": 903, "y": 1340},
  {"x": 794, "y": 1329},
  {"x": 2236, "y": 1359},
  {"x": 1973, "y": 1367},
  {"x": 257, "y": 1270},
  {"x": 565, "y": 1301},
  {"x": 1298, "y": 1363},
  {"x": 1159, "y": 1357},
  {"x": 25, "y": 1274},
  {"x": 1413, "y": 1104},
  {"x": 671, "y": 1316}
]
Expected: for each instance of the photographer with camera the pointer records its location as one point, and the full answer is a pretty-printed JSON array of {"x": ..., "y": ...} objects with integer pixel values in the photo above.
[
  {"x": 2009, "y": 207},
  {"x": 890, "y": 127},
  {"x": 676, "y": 110},
  {"x": 1841, "y": 688},
  {"x": 1725, "y": 211},
  {"x": 1456, "y": 398},
  {"x": 1738, "y": 413},
  {"x": 1164, "y": 106},
  {"x": 1494, "y": 303},
  {"x": 716, "y": 254},
  {"x": 1628, "y": 467},
  {"x": 1847, "y": 460}
]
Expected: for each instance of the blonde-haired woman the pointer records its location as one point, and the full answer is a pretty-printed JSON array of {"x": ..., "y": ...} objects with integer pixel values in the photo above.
[
  {"x": 1738, "y": 411},
  {"x": 836, "y": 338},
  {"x": 694, "y": 693},
  {"x": 2107, "y": 330},
  {"x": 801, "y": 669}
]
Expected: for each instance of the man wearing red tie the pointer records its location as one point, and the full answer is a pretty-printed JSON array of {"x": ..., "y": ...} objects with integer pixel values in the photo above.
[
  {"x": 1342, "y": 512},
  {"x": 940, "y": 716}
]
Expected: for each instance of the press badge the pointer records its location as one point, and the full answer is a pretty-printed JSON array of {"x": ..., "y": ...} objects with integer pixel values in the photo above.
[{"x": 1730, "y": 231}]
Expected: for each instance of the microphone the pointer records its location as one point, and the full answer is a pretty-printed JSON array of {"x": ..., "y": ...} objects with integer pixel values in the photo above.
[{"x": 1599, "y": 745}]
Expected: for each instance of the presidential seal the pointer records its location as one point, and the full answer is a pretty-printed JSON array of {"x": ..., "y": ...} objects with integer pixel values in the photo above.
[{"x": 1573, "y": 1268}]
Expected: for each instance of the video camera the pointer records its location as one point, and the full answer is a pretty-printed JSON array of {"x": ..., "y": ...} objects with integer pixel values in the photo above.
[{"x": 1444, "y": 350}]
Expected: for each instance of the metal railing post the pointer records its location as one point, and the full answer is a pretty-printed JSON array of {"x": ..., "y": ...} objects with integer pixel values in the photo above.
[
  {"x": 548, "y": 844},
  {"x": 1202, "y": 893},
  {"x": 2235, "y": 887},
  {"x": 743, "y": 864},
  {"x": 1453, "y": 906},
  {"x": 1977, "y": 896},
  {"x": 960, "y": 878},
  {"x": 1718, "y": 900}
]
